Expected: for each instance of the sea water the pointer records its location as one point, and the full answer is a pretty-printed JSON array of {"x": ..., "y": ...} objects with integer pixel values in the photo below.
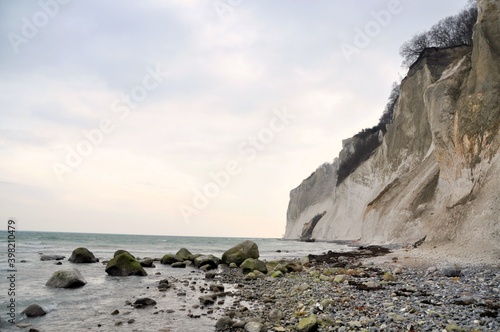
[{"x": 89, "y": 308}]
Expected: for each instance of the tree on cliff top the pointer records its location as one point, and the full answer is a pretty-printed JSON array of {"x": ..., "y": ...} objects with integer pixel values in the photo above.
[{"x": 451, "y": 31}]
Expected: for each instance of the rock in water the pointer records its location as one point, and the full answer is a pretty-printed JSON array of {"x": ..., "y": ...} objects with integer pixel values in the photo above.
[
  {"x": 210, "y": 260},
  {"x": 34, "y": 310},
  {"x": 143, "y": 303},
  {"x": 52, "y": 257},
  {"x": 66, "y": 279},
  {"x": 240, "y": 252},
  {"x": 184, "y": 254},
  {"x": 82, "y": 255},
  {"x": 124, "y": 265},
  {"x": 121, "y": 251},
  {"x": 170, "y": 259},
  {"x": 250, "y": 265}
]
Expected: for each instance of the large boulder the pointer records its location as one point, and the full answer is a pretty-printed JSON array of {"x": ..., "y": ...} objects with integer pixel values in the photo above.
[
  {"x": 170, "y": 259},
  {"x": 240, "y": 252},
  {"x": 124, "y": 265},
  {"x": 184, "y": 254},
  {"x": 34, "y": 310},
  {"x": 250, "y": 265},
  {"x": 66, "y": 279},
  {"x": 207, "y": 260},
  {"x": 82, "y": 255},
  {"x": 121, "y": 251}
]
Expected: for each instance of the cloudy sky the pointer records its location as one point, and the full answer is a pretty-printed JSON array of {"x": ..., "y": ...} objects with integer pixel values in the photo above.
[{"x": 186, "y": 117}]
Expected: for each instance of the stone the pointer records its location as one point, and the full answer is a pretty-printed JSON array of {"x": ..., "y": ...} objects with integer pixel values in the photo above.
[
  {"x": 452, "y": 270},
  {"x": 178, "y": 265},
  {"x": 121, "y": 251},
  {"x": 389, "y": 277},
  {"x": 254, "y": 327},
  {"x": 250, "y": 276},
  {"x": 233, "y": 265},
  {"x": 66, "y": 279},
  {"x": 143, "y": 303},
  {"x": 34, "y": 310},
  {"x": 308, "y": 324},
  {"x": 277, "y": 274},
  {"x": 147, "y": 262},
  {"x": 184, "y": 254},
  {"x": 251, "y": 264},
  {"x": 207, "y": 299},
  {"x": 340, "y": 278},
  {"x": 52, "y": 257},
  {"x": 206, "y": 260},
  {"x": 82, "y": 255},
  {"x": 240, "y": 252},
  {"x": 275, "y": 315},
  {"x": 124, "y": 265},
  {"x": 224, "y": 323},
  {"x": 169, "y": 259}
]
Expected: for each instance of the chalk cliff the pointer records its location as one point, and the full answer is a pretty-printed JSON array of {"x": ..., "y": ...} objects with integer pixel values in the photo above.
[{"x": 436, "y": 170}]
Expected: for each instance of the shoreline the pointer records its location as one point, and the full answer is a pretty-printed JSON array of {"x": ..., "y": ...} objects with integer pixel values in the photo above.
[{"x": 383, "y": 291}]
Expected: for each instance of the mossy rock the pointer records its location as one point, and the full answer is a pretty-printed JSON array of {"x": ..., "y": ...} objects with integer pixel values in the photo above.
[
  {"x": 170, "y": 259},
  {"x": 240, "y": 252},
  {"x": 121, "y": 251},
  {"x": 82, "y": 255},
  {"x": 185, "y": 254},
  {"x": 308, "y": 324},
  {"x": 66, "y": 279},
  {"x": 250, "y": 265},
  {"x": 124, "y": 265}
]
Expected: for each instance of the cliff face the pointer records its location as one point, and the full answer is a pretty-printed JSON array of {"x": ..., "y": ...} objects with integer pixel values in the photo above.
[{"x": 436, "y": 171}]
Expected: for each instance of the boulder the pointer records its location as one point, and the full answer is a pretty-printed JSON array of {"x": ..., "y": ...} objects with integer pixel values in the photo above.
[
  {"x": 240, "y": 252},
  {"x": 254, "y": 327},
  {"x": 52, "y": 257},
  {"x": 170, "y": 259},
  {"x": 124, "y": 265},
  {"x": 121, "y": 251},
  {"x": 148, "y": 262},
  {"x": 184, "y": 254},
  {"x": 34, "y": 310},
  {"x": 179, "y": 265},
  {"x": 224, "y": 323},
  {"x": 82, "y": 255},
  {"x": 250, "y": 265},
  {"x": 206, "y": 260},
  {"x": 66, "y": 279}
]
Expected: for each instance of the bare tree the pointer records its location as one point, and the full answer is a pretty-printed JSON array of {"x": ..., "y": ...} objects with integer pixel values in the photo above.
[{"x": 451, "y": 31}]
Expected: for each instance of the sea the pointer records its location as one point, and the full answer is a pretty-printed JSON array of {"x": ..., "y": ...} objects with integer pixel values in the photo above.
[{"x": 89, "y": 308}]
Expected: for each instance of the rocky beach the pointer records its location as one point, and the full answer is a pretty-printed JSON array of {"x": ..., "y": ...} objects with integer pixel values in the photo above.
[{"x": 371, "y": 288}]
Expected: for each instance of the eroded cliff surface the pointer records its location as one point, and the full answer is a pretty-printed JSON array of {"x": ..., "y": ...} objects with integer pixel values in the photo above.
[{"x": 436, "y": 171}]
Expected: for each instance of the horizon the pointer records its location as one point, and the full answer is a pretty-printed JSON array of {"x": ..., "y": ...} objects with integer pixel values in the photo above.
[{"x": 187, "y": 117}]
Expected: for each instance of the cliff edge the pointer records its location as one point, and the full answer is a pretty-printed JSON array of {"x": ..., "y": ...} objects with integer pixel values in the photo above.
[{"x": 434, "y": 173}]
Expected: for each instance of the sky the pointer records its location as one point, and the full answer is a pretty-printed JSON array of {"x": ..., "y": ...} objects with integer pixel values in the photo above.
[{"x": 186, "y": 117}]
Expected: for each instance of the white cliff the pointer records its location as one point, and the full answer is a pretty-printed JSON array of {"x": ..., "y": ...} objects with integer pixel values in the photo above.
[{"x": 436, "y": 171}]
